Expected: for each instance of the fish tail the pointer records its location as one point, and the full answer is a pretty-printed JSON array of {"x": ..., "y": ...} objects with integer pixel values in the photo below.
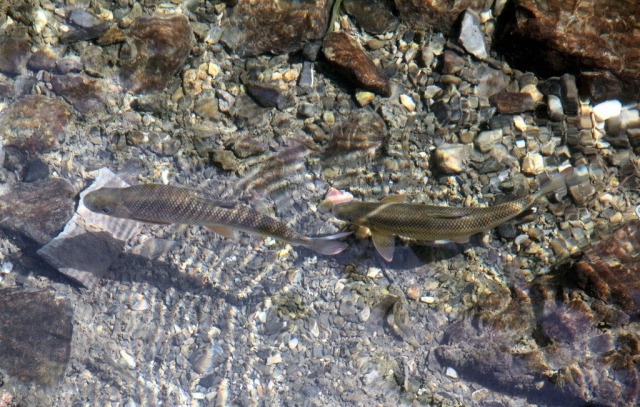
[
  {"x": 326, "y": 244},
  {"x": 557, "y": 181}
]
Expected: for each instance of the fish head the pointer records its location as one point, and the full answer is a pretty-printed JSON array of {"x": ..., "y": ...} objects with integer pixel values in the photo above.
[
  {"x": 107, "y": 201},
  {"x": 352, "y": 212}
]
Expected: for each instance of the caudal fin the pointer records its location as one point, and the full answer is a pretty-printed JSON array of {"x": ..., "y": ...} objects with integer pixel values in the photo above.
[{"x": 327, "y": 244}]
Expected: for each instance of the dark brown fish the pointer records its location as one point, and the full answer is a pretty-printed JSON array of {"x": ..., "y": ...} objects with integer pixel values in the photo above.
[
  {"x": 164, "y": 204},
  {"x": 391, "y": 217}
]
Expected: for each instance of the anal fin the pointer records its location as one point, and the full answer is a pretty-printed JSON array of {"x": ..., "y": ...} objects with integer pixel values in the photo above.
[
  {"x": 385, "y": 244},
  {"x": 221, "y": 230}
]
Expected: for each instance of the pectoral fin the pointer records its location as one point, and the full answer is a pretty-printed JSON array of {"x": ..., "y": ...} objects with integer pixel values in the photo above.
[
  {"x": 394, "y": 199},
  {"x": 385, "y": 244},
  {"x": 221, "y": 230}
]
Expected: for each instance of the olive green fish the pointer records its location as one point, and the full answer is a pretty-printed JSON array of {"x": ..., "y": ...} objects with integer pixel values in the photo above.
[
  {"x": 164, "y": 205},
  {"x": 391, "y": 217}
]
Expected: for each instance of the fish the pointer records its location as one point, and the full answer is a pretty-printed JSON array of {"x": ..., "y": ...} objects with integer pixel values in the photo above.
[
  {"x": 166, "y": 204},
  {"x": 393, "y": 217}
]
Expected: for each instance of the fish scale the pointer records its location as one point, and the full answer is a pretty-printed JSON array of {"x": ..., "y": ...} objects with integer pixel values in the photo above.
[{"x": 166, "y": 204}]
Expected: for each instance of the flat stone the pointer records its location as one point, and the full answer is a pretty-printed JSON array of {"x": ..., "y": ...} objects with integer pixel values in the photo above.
[
  {"x": 264, "y": 95},
  {"x": 33, "y": 123},
  {"x": 471, "y": 36},
  {"x": 90, "y": 242},
  {"x": 156, "y": 48},
  {"x": 265, "y": 26},
  {"x": 512, "y": 102},
  {"x": 374, "y": 17},
  {"x": 81, "y": 91},
  {"x": 343, "y": 51},
  {"x": 44, "y": 59},
  {"x": 436, "y": 14},
  {"x": 35, "y": 332},
  {"x": 36, "y": 211},
  {"x": 570, "y": 96}
]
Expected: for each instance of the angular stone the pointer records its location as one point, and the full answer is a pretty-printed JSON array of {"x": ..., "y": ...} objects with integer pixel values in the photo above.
[
  {"x": 36, "y": 211},
  {"x": 471, "y": 36},
  {"x": 264, "y": 95},
  {"x": 81, "y": 91},
  {"x": 156, "y": 48},
  {"x": 83, "y": 26},
  {"x": 486, "y": 140},
  {"x": 90, "y": 242},
  {"x": 512, "y": 102},
  {"x": 434, "y": 14},
  {"x": 453, "y": 63},
  {"x": 263, "y": 26},
  {"x": 33, "y": 123},
  {"x": 452, "y": 158},
  {"x": 342, "y": 50},
  {"x": 374, "y": 17},
  {"x": 570, "y": 96},
  {"x": 35, "y": 336}
]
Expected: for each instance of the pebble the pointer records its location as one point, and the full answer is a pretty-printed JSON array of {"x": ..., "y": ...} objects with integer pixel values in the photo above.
[
  {"x": 451, "y": 372},
  {"x": 408, "y": 102},
  {"x": 486, "y": 140},
  {"x": 364, "y": 97},
  {"x": 533, "y": 91},
  {"x": 6, "y": 268},
  {"x": 606, "y": 110},
  {"x": 343, "y": 51},
  {"x": 427, "y": 299},
  {"x": 533, "y": 164},
  {"x": 275, "y": 359},
  {"x": 128, "y": 359},
  {"x": 554, "y": 108},
  {"x": 451, "y": 158}
]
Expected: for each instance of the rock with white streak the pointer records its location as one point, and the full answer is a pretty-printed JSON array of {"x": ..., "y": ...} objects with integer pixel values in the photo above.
[{"x": 90, "y": 242}]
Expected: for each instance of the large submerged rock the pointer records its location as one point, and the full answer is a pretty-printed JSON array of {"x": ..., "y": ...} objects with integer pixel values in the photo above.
[{"x": 262, "y": 26}]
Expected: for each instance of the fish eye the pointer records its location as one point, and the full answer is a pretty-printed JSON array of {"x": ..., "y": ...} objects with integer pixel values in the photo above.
[{"x": 105, "y": 209}]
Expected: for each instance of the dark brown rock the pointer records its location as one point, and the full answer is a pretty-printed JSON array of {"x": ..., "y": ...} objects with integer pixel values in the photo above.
[
  {"x": 343, "y": 51},
  {"x": 434, "y": 14},
  {"x": 512, "y": 102},
  {"x": 36, "y": 211},
  {"x": 14, "y": 53},
  {"x": 34, "y": 123},
  {"x": 43, "y": 59},
  {"x": 374, "y": 17},
  {"x": 81, "y": 91},
  {"x": 565, "y": 35},
  {"x": 35, "y": 334},
  {"x": 262, "y": 26},
  {"x": 156, "y": 48}
]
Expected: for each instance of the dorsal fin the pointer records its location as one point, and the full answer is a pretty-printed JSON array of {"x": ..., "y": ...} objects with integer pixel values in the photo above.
[{"x": 399, "y": 198}]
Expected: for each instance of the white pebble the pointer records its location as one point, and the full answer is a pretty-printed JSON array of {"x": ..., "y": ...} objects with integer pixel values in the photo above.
[
  {"x": 607, "y": 110},
  {"x": 293, "y": 342},
  {"x": 39, "y": 21},
  {"x": 128, "y": 359},
  {"x": 451, "y": 372},
  {"x": 408, "y": 102},
  {"x": 428, "y": 299},
  {"x": 638, "y": 211},
  {"x": 7, "y": 266},
  {"x": 272, "y": 360}
]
